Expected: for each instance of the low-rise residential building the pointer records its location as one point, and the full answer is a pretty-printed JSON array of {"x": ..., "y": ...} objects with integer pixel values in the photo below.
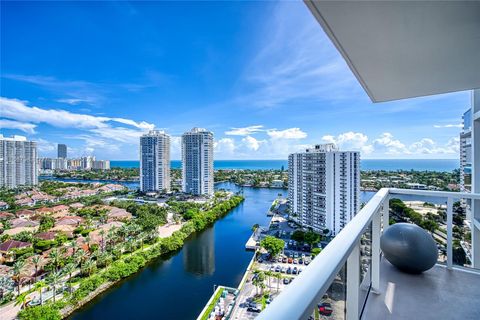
[
  {"x": 7, "y": 248},
  {"x": 70, "y": 221}
]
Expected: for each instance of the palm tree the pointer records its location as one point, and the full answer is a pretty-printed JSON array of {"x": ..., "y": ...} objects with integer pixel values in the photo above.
[
  {"x": 37, "y": 259},
  {"x": 22, "y": 300},
  {"x": 102, "y": 234},
  {"x": 80, "y": 257},
  {"x": 39, "y": 285},
  {"x": 54, "y": 278},
  {"x": 258, "y": 280},
  {"x": 88, "y": 267},
  {"x": 279, "y": 277},
  {"x": 74, "y": 245},
  {"x": 55, "y": 257},
  {"x": 69, "y": 269},
  {"x": 17, "y": 273},
  {"x": 269, "y": 275}
]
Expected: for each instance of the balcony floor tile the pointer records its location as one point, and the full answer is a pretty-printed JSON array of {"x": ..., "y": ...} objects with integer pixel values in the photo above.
[{"x": 436, "y": 294}]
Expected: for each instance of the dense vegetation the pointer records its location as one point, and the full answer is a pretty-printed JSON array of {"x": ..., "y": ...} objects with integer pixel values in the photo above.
[
  {"x": 402, "y": 213},
  {"x": 378, "y": 179},
  {"x": 126, "y": 255},
  {"x": 124, "y": 174}
]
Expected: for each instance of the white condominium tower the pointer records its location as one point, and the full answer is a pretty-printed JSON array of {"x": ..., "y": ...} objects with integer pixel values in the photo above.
[
  {"x": 324, "y": 187},
  {"x": 155, "y": 161},
  {"x": 197, "y": 162},
  {"x": 18, "y": 162},
  {"x": 466, "y": 152}
]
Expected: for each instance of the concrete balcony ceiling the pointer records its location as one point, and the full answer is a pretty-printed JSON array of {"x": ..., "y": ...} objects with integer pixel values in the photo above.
[{"x": 404, "y": 49}]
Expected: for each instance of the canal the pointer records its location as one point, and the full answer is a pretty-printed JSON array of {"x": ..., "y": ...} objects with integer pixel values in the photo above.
[{"x": 178, "y": 286}]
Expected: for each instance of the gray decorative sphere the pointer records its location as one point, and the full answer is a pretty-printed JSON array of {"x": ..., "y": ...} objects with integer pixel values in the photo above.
[{"x": 409, "y": 248}]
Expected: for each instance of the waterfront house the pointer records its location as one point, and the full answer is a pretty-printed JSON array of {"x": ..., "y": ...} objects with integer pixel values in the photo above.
[
  {"x": 76, "y": 205},
  {"x": 74, "y": 221},
  {"x": 7, "y": 248},
  {"x": 3, "y": 205},
  {"x": 118, "y": 214},
  {"x": 6, "y": 215},
  {"x": 22, "y": 223},
  {"x": 46, "y": 235}
]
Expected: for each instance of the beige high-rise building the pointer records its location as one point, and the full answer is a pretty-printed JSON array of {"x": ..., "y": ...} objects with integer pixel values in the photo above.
[{"x": 18, "y": 162}]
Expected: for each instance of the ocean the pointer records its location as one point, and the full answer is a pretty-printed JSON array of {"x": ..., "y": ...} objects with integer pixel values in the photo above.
[{"x": 447, "y": 165}]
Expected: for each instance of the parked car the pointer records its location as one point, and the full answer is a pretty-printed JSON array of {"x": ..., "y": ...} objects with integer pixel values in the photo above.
[
  {"x": 300, "y": 261},
  {"x": 294, "y": 271},
  {"x": 299, "y": 270},
  {"x": 289, "y": 270},
  {"x": 254, "y": 309},
  {"x": 306, "y": 262},
  {"x": 295, "y": 261},
  {"x": 279, "y": 259},
  {"x": 284, "y": 259},
  {"x": 290, "y": 260},
  {"x": 278, "y": 268},
  {"x": 286, "y": 281},
  {"x": 325, "y": 309},
  {"x": 284, "y": 270}
]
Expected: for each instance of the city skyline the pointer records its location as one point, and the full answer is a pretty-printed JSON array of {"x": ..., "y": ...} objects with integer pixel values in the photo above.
[{"x": 262, "y": 100}]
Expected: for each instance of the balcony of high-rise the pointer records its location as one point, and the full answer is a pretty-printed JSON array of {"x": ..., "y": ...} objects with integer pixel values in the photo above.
[{"x": 399, "y": 50}]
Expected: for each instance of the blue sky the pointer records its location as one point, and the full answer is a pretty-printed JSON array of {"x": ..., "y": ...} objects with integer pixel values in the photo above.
[{"x": 261, "y": 75}]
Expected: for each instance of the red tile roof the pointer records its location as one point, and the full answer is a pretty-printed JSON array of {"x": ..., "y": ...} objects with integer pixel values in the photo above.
[{"x": 13, "y": 244}]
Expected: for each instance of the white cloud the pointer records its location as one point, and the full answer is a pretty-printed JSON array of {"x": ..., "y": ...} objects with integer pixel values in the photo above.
[
  {"x": 458, "y": 125},
  {"x": 98, "y": 132},
  {"x": 72, "y": 101},
  {"x": 387, "y": 144},
  {"x": 18, "y": 110},
  {"x": 244, "y": 131},
  {"x": 45, "y": 146},
  {"x": 292, "y": 133},
  {"x": 251, "y": 143},
  {"x": 354, "y": 141},
  {"x": 23, "y": 126},
  {"x": 225, "y": 147}
]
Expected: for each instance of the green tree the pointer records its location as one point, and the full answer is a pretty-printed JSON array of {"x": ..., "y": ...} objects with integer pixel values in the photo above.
[
  {"x": 54, "y": 279},
  {"x": 46, "y": 312},
  {"x": 273, "y": 245},
  {"x": 37, "y": 259},
  {"x": 39, "y": 285},
  {"x": 312, "y": 238},
  {"x": 46, "y": 223},
  {"x": 17, "y": 273},
  {"x": 316, "y": 251},
  {"x": 258, "y": 280}
]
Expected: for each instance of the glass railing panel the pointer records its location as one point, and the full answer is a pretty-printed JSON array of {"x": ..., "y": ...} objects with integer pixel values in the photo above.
[
  {"x": 462, "y": 233},
  {"x": 365, "y": 265},
  {"x": 333, "y": 303}
]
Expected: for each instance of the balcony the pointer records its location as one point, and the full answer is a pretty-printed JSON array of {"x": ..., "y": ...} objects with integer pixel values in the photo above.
[{"x": 351, "y": 274}]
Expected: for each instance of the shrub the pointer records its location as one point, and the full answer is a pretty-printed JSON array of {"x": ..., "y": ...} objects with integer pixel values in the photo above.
[{"x": 45, "y": 312}]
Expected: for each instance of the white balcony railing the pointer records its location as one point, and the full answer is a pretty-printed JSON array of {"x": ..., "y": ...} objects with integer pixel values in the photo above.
[{"x": 300, "y": 298}]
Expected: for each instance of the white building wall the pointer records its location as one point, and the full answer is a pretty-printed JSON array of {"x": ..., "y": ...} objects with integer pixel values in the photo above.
[
  {"x": 155, "y": 161},
  {"x": 18, "y": 162},
  {"x": 328, "y": 182},
  {"x": 197, "y": 162}
]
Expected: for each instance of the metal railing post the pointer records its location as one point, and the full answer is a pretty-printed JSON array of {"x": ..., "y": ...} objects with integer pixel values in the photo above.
[
  {"x": 353, "y": 283},
  {"x": 376, "y": 233},
  {"x": 386, "y": 212},
  {"x": 449, "y": 232}
]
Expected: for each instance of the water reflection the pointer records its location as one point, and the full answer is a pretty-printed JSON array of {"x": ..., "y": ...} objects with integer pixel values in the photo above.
[{"x": 199, "y": 254}]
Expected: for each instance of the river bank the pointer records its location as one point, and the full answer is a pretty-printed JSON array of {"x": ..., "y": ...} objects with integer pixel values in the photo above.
[{"x": 213, "y": 256}]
